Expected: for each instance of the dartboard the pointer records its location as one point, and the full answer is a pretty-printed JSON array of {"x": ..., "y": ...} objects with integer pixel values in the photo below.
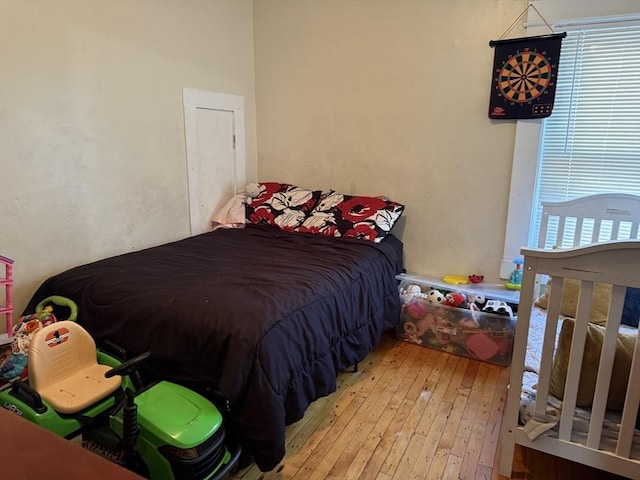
[{"x": 524, "y": 77}]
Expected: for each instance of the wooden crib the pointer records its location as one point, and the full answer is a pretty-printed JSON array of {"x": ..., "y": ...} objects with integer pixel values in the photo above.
[{"x": 591, "y": 266}]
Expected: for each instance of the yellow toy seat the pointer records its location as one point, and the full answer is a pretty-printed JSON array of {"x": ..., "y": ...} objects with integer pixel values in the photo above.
[{"x": 63, "y": 368}]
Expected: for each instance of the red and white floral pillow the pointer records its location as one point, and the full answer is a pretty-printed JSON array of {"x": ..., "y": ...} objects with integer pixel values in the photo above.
[
  {"x": 329, "y": 213},
  {"x": 281, "y": 205},
  {"x": 367, "y": 218}
]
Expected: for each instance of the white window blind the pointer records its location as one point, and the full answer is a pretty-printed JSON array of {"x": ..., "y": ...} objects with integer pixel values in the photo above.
[{"x": 591, "y": 142}]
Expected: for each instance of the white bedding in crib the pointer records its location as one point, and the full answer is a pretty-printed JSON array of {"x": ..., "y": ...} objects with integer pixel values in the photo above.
[{"x": 611, "y": 425}]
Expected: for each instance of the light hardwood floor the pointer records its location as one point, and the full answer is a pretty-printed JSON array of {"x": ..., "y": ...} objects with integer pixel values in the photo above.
[{"x": 410, "y": 413}]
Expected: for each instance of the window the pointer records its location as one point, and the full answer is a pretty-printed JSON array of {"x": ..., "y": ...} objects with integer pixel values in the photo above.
[{"x": 591, "y": 143}]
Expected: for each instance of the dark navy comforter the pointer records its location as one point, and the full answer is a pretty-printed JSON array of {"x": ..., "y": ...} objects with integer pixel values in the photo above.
[{"x": 263, "y": 317}]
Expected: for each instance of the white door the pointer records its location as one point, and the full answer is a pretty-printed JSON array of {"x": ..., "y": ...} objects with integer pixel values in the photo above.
[{"x": 214, "y": 132}]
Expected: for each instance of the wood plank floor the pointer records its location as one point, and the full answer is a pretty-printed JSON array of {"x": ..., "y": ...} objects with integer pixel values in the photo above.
[{"x": 411, "y": 413}]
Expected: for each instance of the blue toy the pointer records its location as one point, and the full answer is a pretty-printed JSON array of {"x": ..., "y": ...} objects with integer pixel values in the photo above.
[{"x": 515, "y": 279}]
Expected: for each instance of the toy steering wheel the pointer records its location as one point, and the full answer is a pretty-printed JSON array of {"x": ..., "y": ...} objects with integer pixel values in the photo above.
[
  {"x": 61, "y": 302},
  {"x": 128, "y": 367}
]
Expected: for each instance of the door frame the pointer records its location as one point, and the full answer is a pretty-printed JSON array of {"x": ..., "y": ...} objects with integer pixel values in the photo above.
[{"x": 194, "y": 99}]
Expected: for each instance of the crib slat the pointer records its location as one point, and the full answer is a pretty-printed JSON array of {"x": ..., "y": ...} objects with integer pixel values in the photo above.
[
  {"x": 615, "y": 228},
  {"x": 595, "y": 238},
  {"x": 605, "y": 367},
  {"x": 544, "y": 224},
  {"x": 577, "y": 234},
  {"x": 560, "y": 235},
  {"x": 546, "y": 358},
  {"x": 575, "y": 360},
  {"x": 630, "y": 406}
]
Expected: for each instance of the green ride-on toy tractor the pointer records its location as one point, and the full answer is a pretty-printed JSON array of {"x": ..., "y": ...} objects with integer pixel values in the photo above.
[{"x": 160, "y": 431}]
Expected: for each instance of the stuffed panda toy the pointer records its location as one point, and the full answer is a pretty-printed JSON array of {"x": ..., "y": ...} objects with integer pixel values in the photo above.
[{"x": 434, "y": 296}]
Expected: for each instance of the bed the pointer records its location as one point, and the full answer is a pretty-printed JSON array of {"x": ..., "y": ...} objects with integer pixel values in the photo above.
[
  {"x": 263, "y": 318},
  {"x": 575, "y": 375}
]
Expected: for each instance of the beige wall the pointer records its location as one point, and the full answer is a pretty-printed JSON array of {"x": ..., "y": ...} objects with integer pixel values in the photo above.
[
  {"x": 363, "y": 96},
  {"x": 384, "y": 97},
  {"x": 92, "y": 149}
]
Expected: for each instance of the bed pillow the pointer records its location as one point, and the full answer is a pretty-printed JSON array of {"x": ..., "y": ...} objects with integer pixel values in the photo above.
[
  {"x": 631, "y": 308},
  {"x": 569, "y": 302},
  {"x": 367, "y": 218},
  {"x": 281, "y": 205},
  {"x": 590, "y": 360}
]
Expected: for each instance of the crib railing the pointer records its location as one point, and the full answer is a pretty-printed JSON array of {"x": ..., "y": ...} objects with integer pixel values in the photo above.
[
  {"x": 588, "y": 220},
  {"x": 616, "y": 263}
]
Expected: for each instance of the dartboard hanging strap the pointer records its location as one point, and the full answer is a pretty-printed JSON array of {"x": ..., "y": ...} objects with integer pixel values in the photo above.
[{"x": 515, "y": 22}]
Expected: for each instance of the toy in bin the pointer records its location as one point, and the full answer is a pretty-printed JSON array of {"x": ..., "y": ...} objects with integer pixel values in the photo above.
[
  {"x": 456, "y": 323},
  {"x": 515, "y": 279},
  {"x": 97, "y": 398}
]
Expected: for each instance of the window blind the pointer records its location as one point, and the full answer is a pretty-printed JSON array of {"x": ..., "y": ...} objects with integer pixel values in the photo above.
[{"x": 591, "y": 142}]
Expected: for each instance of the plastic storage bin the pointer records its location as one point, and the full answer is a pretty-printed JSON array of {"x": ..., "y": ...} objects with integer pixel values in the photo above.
[{"x": 468, "y": 332}]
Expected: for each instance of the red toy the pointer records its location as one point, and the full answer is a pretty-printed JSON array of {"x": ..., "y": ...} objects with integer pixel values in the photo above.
[{"x": 454, "y": 299}]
